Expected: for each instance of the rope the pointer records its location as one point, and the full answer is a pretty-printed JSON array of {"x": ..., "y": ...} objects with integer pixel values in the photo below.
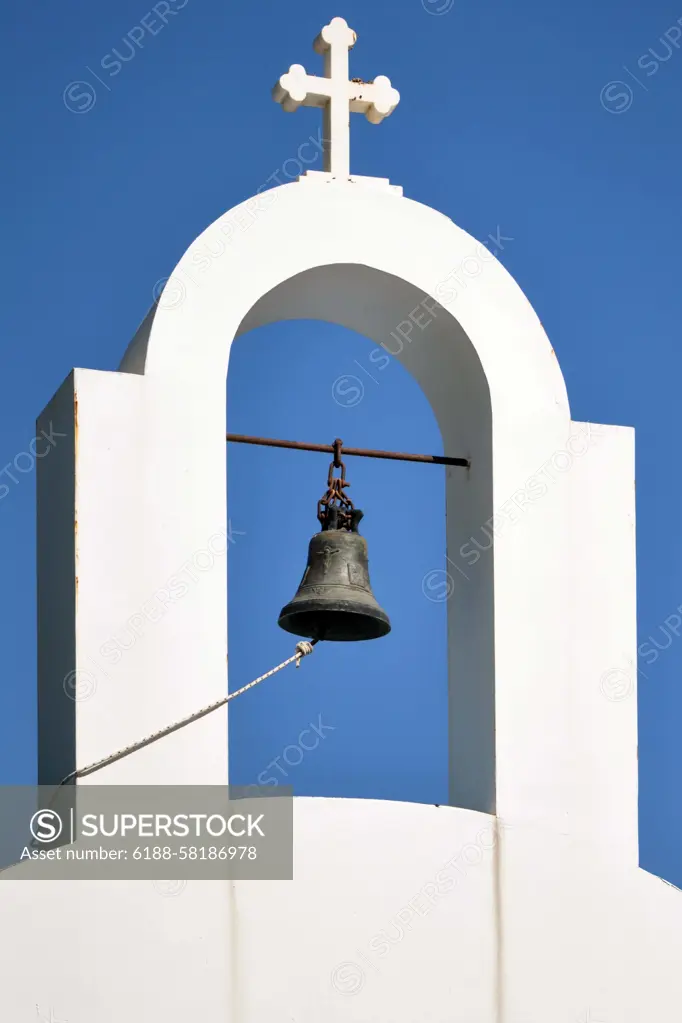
[{"x": 302, "y": 650}]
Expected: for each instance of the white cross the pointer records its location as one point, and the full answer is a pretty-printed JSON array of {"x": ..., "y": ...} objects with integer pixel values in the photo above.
[{"x": 337, "y": 96}]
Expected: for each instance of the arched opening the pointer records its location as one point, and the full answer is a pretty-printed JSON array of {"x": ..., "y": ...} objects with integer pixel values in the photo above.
[
  {"x": 359, "y": 719},
  {"x": 430, "y": 344}
]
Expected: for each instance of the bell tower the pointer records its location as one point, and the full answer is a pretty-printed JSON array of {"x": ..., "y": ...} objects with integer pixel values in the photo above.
[
  {"x": 354, "y": 252},
  {"x": 522, "y": 899}
]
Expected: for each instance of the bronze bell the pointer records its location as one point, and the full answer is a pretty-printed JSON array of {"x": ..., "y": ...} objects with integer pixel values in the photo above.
[{"x": 334, "y": 601}]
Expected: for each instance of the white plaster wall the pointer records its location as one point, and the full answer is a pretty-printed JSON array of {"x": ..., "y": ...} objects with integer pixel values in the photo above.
[
  {"x": 557, "y": 921},
  {"x": 398, "y": 912},
  {"x": 148, "y": 650},
  {"x": 600, "y": 729},
  {"x": 101, "y": 953}
]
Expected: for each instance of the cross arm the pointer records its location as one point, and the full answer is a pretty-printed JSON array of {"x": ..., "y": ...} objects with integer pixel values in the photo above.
[
  {"x": 376, "y": 100},
  {"x": 296, "y": 88}
]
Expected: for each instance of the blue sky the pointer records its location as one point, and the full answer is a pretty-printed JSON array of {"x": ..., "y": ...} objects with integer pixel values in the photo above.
[{"x": 555, "y": 125}]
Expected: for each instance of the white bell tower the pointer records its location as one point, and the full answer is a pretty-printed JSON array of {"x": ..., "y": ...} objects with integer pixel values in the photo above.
[{"x": 520, "y": 902}]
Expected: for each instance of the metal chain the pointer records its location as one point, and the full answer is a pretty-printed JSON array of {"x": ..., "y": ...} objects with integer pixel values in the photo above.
[
  {"x": 302, "y": 650},
  {"x": 335, "y": 508}
]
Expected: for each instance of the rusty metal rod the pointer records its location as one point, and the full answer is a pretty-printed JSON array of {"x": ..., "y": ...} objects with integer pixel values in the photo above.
[{"x": 328, "y": 449}]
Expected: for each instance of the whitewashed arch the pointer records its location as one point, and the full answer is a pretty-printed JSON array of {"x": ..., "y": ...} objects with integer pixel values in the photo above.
[{"x": 367, "y": 259}]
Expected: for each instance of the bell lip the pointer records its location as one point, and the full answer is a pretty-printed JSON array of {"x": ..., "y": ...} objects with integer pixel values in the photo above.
[{"x": 293, "y": 613}]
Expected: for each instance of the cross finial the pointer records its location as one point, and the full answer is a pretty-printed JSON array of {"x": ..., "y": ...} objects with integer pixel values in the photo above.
[{"x": 336, "y": 95}]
